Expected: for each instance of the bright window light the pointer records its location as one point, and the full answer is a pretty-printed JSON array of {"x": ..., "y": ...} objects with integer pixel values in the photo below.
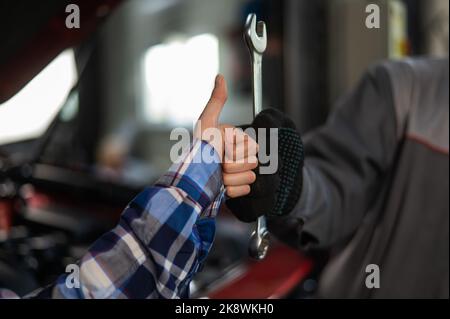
[
  {"x": 179, "y": 76},
  {"x": 28, "y": 113}
]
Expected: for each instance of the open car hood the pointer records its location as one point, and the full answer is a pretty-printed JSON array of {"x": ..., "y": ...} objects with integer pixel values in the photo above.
[{"x": 33, "y": 33}]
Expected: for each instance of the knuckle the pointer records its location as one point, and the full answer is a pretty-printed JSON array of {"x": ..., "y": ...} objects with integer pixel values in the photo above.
[
  {"x": 253, "y": 164},
  {"x": 227, "y": 168}
]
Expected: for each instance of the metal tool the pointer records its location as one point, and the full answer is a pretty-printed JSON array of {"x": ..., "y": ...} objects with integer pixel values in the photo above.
[{"x": 255, "y": 36}]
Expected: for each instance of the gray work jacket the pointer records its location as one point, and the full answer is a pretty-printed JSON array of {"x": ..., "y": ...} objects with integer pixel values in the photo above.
[{"x": 376, "y": 182}]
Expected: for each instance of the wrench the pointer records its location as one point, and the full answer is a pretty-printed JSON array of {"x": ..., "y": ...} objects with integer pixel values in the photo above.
[{"x": 255, "y": 36}]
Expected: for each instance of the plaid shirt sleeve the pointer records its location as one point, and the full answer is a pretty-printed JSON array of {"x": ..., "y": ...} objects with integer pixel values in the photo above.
[{"x": 161, "y": 240}]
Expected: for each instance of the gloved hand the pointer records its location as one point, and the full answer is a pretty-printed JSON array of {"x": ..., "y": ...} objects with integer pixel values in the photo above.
[{"x": 273, "y": 194}]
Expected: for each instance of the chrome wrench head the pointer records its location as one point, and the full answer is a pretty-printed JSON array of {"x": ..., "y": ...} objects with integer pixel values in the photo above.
[{"x": 255, "y": 34}]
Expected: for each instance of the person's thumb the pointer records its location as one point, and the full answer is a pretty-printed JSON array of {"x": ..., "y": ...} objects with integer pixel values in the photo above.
[{"x": 211, "y": 112}]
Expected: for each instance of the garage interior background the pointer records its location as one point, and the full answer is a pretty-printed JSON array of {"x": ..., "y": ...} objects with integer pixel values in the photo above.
[{"x": 96, "y": 118}]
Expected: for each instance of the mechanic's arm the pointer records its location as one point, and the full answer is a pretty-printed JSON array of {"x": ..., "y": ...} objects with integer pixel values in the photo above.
[
  {"x": 345, "y": 162},
  {"x": 324, "y": 186}
]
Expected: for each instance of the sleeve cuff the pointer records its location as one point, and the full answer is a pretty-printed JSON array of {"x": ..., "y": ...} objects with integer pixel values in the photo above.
[{"x": 198, "y": 173}]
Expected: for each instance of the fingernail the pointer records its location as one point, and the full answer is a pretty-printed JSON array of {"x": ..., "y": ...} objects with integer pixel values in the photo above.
[{"x": 218, "y": 79}]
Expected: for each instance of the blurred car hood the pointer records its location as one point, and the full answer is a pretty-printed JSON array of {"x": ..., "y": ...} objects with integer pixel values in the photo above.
[{"x": 33, "y": 33}]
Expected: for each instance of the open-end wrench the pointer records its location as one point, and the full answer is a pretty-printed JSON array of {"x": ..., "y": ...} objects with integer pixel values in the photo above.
[{"x": 255, "y": 36}]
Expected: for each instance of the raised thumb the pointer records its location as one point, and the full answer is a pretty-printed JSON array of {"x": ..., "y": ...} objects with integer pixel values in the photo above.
[{"x": 216, "y": 102}]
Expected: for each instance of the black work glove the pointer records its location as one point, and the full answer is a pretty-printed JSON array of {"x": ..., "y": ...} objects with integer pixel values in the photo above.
[{"x": 274, "y": 194}]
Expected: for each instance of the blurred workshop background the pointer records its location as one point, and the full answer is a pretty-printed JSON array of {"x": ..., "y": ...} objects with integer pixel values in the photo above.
[{"x": 86, "y": 114}]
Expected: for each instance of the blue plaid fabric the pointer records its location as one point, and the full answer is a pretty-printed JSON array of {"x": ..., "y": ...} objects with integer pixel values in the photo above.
[{"x": 161, "y": 240}]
